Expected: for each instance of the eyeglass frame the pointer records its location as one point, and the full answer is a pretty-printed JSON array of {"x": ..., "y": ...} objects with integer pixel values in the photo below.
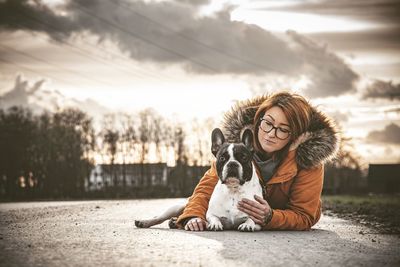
[{"x": 273, "y": 128}]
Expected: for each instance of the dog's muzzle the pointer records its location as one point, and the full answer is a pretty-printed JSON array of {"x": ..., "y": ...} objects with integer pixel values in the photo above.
[
  {"x": 233, "y": 169},
  {"x": 233, "y": 174}
]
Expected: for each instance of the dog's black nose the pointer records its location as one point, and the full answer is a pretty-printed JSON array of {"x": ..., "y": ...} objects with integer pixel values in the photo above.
[
  {"x": 233, "y": 164},
  {"x": 233, "y": 169}
]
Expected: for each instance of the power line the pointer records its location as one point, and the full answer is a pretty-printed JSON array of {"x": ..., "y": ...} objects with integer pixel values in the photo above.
[
  {"x": 84, "y": 52},
  {"x": 222, "y": 52},
  {"x": 120, "y": 28},
  {"x": 135, "y": 35},
  {"x": 183, "y": 36},
  {"x": 54, "y": 65},
  {"x": 37, "y": 72},
  {"x": 120, "y": 4}
]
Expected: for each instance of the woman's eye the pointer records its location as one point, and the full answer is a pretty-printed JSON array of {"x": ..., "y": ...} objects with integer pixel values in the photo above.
[{"x": 284, "y": 130}]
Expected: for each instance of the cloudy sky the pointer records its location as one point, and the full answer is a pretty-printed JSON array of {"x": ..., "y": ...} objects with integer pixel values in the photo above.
[{"x": 195, "y": 58}]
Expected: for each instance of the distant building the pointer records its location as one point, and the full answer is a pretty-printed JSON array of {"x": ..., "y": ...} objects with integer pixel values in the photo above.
[
  {"x": 127, "y": 175},
  {"x": 145, "y": 180},
  {"x": 384, "y": 178}
]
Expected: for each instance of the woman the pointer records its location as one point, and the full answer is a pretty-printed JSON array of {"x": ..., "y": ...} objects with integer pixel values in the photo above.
[{"x": 292, "y": 142}]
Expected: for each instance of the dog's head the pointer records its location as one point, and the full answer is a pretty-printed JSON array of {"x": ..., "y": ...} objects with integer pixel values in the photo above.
[{"x": 234, "y": 160}]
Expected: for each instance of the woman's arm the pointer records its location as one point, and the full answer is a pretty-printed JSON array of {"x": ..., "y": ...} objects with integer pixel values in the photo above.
[
  {"x": 304, "y": 206},
  {"x": 302, "y": 211},
  {"x": 198, "y": 203}
]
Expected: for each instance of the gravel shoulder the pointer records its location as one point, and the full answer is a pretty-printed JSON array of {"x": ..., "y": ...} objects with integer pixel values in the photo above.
[{"x": 102, "y": 233}]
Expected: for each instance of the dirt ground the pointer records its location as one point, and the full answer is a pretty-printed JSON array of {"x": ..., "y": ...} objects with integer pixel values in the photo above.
[
  {"x": 378, "y": 211},
  {"x": 102, "y": 233}
]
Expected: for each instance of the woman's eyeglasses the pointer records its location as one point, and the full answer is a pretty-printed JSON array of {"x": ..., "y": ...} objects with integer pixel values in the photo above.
[{"x": 268, "y": 126}]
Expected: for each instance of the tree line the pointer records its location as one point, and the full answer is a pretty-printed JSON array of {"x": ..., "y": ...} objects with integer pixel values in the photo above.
[{"x": 51, "y": 154}]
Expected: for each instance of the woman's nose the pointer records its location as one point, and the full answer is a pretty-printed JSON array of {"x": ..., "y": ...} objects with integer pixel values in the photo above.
[{"x": 271, "y": 133}]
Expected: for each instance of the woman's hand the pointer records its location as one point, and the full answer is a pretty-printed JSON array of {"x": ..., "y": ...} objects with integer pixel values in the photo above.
[
  {"x": 195, "y": 224},
  {"x": 259, "y": 211}
]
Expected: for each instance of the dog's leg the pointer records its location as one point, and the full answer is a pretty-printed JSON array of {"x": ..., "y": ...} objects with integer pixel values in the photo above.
[
  {"x": 214, "y": 223},
  {"x": 173, "y": 211},
  {"x": 249, "y": 226}
]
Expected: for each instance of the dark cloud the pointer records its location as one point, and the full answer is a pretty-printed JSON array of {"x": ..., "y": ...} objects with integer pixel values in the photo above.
[
  {"x": 201, "y": 44},
  {"x": 384, "y": 11},
  {"x": 394, "y": 110},
  {"x": 390, "y": 135},
  {"x": 330, "y": 75},
  {"x": 383, "y": 90},
  {"x": 162, "y": 32},
  {"x": 23, "y": 14},
  {"x": 384, "y": 39},
  {"x": 194, "y": 2}
]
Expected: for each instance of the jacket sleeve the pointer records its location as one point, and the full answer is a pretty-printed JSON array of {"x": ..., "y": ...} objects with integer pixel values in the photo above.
[
  {"x": 304, "y": 206},
  {"x": 198, "y": 203}
]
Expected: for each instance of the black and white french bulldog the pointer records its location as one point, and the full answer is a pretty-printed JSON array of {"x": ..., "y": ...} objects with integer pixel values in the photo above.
[{"x": 237, "y": 180}]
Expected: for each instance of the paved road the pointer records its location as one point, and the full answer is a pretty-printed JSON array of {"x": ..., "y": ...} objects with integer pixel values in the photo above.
[{"x": 102, "y": 233}]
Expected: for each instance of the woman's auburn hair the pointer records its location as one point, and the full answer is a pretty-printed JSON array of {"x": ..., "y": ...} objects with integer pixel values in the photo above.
[{"x": 297, "y": 111}]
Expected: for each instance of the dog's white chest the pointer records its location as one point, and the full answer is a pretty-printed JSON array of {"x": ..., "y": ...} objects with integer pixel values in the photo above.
[{"x": 224, "y": 200}]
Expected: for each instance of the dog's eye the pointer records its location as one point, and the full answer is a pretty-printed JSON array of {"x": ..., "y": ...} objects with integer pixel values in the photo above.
[
  {"x": 244, "y": 158},
  {"x": 222, "y": 158}
]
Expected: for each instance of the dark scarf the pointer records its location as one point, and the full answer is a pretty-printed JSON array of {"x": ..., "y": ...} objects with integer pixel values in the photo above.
[{"x": 266, "y": 166}]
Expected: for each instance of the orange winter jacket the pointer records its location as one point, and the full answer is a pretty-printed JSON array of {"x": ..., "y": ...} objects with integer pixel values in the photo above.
[
  {"x": 294, "y": 191},
  {"x": 293, "y": 194}
]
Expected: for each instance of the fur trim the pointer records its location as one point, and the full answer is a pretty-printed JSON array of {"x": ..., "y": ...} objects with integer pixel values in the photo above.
[
  {"x": 240, "y": 117},
  {"x": 318, "y": 145}
]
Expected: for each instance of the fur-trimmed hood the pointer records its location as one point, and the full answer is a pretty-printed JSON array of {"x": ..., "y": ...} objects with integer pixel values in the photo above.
[{"x": 319, "y": 145}]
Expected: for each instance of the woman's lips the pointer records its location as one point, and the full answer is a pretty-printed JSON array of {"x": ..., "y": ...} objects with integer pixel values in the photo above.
[{"x": 269, "y": 141}]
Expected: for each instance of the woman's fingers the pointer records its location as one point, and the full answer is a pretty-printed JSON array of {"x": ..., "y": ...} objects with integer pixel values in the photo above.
[
  {"x": 260, "y": 200},
  {"x": 188, "y": 226},
  {"x": 200, "y": 224},
  {"x": 252, "y": 203},
  {"x": 250, "y": 212},
  {"x": 257, "y": 210},
  {"x": 195, "y": 224},
  {"x": 252, "y": 207}
]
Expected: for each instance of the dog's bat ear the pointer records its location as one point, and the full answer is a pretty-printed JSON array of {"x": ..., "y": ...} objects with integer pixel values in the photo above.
[
  {"x": 217, "y": 139},
  {"x": 247, "y": 139}
]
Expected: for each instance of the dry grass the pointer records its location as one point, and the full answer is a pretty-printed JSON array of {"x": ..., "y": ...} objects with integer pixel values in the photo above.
[{"x": 381, "y": 212}]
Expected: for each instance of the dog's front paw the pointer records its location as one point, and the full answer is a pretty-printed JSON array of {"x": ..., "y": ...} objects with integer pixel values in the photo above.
[
  {"x": 249, "y": 226},
  {"x": 215, "y": 226}
]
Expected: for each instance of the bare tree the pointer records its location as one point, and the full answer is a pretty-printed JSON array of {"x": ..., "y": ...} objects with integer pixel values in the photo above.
[
  {"x": 127, "y": 142},
  {"x": 344, "y": 174},
  {"x": 17, "y": 130},
  {"x": 110, "y": 136},
  {"x": 201, "y": 134},
  {"x": 146, "y": 136}
]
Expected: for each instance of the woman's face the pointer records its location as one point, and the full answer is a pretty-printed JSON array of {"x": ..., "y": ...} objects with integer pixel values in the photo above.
[{"x": 268, "y": 140}]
